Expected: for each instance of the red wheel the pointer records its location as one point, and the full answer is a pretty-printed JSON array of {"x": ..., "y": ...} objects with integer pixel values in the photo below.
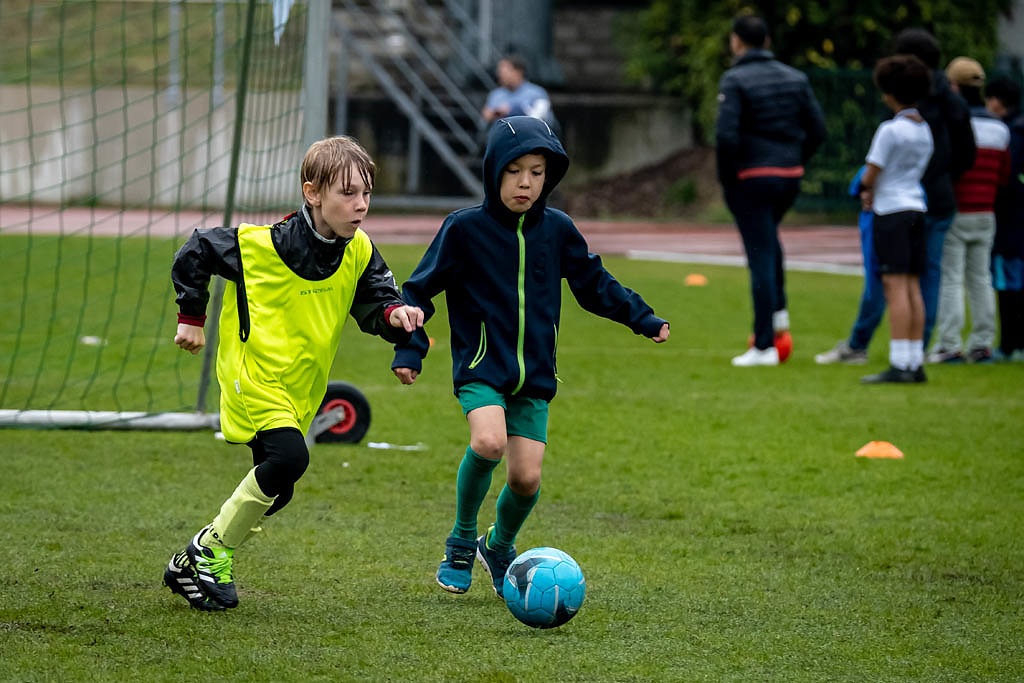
[{"x": 353, "y": 426}]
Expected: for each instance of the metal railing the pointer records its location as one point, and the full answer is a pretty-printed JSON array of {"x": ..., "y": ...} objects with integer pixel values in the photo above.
[{"x": 427, "y": 77}]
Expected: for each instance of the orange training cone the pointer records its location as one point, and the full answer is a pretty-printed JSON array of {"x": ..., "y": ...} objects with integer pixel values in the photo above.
[
  {"x": 695, "y": 280},
  {"x": 879, "y": 449}
]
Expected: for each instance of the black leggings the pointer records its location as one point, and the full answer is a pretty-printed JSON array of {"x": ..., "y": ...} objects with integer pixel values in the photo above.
[
  {"x": 1011, "y": 320},
  {"x": 280, "y": 457}
]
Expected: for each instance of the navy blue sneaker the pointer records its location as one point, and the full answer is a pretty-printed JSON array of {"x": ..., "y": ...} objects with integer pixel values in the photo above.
[
  {"x": 980, "y": 355},
  {"x": 495, "y": 562},
  {"x": 456, "y": 571}
]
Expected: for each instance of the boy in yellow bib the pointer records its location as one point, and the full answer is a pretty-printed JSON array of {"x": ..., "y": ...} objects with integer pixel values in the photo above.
[{"x": 290, "y": 287}]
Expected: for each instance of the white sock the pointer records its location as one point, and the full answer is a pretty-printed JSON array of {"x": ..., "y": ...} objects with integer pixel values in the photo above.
[
  {"x": 780, "y": 320},
  {"x": 899, "y": 353},
  {"x": 916, "y": 353}
]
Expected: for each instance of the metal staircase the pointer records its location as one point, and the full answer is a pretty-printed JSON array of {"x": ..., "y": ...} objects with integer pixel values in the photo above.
[{"x": 430, "y": 60}]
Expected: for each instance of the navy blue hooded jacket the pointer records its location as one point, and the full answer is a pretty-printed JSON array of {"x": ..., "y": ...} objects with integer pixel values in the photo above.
[
  {"x": 502, "y": 272},
  {"x": 1009, "y": 240}
]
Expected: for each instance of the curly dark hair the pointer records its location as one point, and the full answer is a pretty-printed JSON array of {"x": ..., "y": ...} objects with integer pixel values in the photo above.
[
  {"x": 921, "y": 44},
  {"x": 905, "y": 77}
]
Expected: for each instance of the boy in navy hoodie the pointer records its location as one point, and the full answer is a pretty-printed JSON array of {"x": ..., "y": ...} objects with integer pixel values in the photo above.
[{"x": 501, "y": 264}]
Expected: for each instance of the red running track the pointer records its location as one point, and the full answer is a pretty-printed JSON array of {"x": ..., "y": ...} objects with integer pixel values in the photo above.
[{"x": 820, "y": 248}]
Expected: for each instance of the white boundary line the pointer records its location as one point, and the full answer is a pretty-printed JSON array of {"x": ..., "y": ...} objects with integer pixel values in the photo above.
[{"x": 725, "y": 260}]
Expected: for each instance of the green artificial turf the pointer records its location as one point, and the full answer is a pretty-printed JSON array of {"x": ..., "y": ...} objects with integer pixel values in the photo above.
[{"x": 724, "y": 525}]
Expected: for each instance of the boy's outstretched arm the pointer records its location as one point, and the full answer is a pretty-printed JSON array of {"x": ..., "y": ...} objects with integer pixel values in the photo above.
[
  {"x": 598, "y": 292},
  {"x": 439, "y": 265},
  {"x": 208, "y": 252},
  {"x": 378, "y": 307}
]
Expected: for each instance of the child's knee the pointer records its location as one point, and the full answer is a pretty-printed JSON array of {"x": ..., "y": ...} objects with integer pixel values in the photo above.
[
  {"x": 524, "y": 483},
  {"x": 287, "y": 458},
  {"x": 490, "y": 445}
]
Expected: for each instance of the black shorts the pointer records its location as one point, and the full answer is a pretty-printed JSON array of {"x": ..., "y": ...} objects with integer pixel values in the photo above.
[{"x": 899, "y": 243}]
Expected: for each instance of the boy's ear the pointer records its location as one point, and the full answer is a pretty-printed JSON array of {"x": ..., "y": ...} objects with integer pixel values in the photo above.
[{"x": 311, "y": 194}]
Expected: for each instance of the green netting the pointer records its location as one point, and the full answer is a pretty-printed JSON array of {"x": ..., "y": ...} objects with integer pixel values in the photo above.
[
  {"x": 853, "y": 109},
  {"x": 117, "y": 122}
]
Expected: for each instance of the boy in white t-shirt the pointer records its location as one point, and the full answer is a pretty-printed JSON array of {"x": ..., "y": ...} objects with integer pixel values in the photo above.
[{"x": 891, "y": 189}]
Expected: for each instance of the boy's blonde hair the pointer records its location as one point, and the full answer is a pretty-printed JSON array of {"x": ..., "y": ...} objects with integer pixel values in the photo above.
[{"x": 326, "y": 158}]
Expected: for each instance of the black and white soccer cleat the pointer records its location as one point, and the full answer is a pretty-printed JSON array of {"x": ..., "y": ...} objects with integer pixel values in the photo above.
[{"x": 182, "y": 580}]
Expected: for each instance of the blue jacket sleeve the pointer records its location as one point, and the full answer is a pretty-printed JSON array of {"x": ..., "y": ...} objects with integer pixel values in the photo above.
[
  {"x": 598, "y": 292},
  {"x": 436, "y": 269}
]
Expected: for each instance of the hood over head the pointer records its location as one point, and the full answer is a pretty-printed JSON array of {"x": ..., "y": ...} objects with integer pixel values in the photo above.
[{"x": 509, "y": 139}]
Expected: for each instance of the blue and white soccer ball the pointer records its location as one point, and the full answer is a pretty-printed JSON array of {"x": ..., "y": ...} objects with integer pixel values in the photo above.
[{"x": 544, "y": 587}]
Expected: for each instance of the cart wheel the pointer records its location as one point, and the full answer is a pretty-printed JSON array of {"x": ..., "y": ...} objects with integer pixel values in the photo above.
[{"x": 357, "y": 413}]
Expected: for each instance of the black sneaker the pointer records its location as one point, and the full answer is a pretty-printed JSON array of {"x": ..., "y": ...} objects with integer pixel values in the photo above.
[
  {"x": 213, "y": 566},
  {"x": 980, "y": 356},
  {"x": 919, "y": 375},
  {"x": 182, "y": 581},
  {"x": 495, "y": 562},
  {"x": 892, "y": 375}
]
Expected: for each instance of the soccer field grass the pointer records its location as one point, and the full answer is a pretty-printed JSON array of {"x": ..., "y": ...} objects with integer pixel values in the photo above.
[{"x": 725, "y": 528}]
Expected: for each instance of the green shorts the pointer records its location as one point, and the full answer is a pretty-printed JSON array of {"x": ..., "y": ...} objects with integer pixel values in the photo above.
[{"x": 526, "y": 417}]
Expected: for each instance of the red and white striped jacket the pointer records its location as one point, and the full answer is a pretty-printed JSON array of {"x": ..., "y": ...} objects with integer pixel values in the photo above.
[{"x": 976, "y": 188}]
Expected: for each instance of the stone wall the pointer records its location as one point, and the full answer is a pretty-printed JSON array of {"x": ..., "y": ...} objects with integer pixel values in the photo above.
[
  {"x": 126, "y": 147},
  {"x": 586, "y": 47}
]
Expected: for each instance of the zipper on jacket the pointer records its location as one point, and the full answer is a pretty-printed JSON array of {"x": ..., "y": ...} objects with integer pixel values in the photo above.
[
  {"x": 554, "y": 357},
  {"x": 481, "y": 350},
  {"x": 522, "y": 305}
]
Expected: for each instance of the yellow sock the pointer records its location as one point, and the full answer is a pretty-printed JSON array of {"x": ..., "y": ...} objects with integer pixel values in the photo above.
[
  {"x": 255, "y": 530},
  {"x": 241, "y": 513}
]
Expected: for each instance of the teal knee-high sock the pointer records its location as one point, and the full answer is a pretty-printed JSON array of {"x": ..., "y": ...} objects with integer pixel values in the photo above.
[
  {"x": 471, "y": 486},
  {"x": 513, "y": 509}
]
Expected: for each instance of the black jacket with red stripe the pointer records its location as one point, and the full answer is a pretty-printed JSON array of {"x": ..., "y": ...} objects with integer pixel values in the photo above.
[{"x": 768, "y": 118}]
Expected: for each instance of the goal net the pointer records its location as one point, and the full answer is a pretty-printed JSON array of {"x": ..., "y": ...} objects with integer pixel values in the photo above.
[{"x": 124, "y": 125}]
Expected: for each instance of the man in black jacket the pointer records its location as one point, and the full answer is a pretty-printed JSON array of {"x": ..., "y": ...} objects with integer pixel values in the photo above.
[
  {"x": 950, "y": 122},
  {"x": 769, "y": 125}
]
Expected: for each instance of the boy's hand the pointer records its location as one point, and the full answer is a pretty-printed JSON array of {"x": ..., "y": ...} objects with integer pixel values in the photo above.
[
  {"x": 190, "y": 338},
  {"x": 867, "y": 198},
  {"x": 405, "y": 375},
  {"x": 407, "y": 317},
  {"x": 662, "y": 335}
]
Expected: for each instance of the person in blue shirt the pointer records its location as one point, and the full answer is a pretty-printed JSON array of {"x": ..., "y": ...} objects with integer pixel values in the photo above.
[
  {"x": 501, "y": 265},
  {"x": 516, "y": 96}
]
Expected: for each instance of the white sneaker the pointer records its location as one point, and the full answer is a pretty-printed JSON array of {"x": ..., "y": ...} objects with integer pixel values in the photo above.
[
  {"x": 842, "y": 353},
  {"x": 755, "y": 356}
]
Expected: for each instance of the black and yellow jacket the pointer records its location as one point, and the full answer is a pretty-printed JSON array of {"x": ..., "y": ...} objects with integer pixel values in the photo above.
[{"x": 289, "y": 292}]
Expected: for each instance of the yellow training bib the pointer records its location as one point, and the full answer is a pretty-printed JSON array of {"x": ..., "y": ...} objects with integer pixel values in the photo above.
[{"x": 277, "y": 376}]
